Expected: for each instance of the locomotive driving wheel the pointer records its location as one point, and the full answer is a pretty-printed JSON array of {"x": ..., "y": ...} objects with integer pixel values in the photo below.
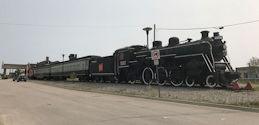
[
  {"x": 210, "y": 81},
  {"x": 175, "y": 82},
  {"x": 189, "y": 81},
  {"x": 147, "y": 76},
  {"x": 163, "y": 75}
]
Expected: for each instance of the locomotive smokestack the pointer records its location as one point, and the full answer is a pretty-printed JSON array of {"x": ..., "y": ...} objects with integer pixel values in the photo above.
[{"x": 204, "y": 34}]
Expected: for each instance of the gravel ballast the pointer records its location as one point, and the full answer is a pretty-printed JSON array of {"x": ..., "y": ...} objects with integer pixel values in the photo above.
[{"x": 218, "y": 96}]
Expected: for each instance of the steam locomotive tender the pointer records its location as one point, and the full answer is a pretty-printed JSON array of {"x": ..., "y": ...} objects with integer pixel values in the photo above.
[{"x": 201, "y": 62}]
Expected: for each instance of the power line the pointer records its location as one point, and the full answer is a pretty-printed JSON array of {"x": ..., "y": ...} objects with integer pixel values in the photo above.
[
  {"x": 71, "y": 26},
  {"x": 40, "y": 25},
  {"x": 241, "y": 23},
  {"x": 121, "y": 26},
  {"x": 200, "y": 28},
  {"x": 212, "y": 27}
]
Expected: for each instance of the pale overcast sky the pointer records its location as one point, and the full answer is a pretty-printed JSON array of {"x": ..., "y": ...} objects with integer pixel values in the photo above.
[{"x": 30, "y": 30}]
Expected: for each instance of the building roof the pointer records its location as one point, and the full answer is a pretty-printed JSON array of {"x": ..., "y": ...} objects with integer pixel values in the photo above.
[
  {"x": 248, "y": 67},
  {"x": 13, "y": 66}
]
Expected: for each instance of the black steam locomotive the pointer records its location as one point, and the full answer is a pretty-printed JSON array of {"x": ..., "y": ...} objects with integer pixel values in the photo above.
[{"x": 201, "y": 62}]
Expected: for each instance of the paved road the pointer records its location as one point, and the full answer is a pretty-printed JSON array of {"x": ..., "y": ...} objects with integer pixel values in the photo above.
[{"x": 35, "y": 104}]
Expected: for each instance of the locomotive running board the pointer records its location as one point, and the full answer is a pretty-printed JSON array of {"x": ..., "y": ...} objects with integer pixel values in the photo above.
[
  {"x": 102, "y": 74},
  {"x": 190, "y": 55}
]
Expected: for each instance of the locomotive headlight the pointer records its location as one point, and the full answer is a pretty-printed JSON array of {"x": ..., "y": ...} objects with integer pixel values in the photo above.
[{"x": 224, "y": 47}]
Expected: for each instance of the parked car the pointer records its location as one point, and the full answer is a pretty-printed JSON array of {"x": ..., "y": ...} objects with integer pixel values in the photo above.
[
  {"x": 21, "y": 77},
  {"x": 3, "y": 76}
]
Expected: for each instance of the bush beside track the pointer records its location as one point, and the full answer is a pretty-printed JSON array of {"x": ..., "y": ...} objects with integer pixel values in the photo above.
[{"x": 216, "y": 96}]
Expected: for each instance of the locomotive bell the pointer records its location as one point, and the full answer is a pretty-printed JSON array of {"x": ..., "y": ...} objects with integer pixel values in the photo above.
[
  {"x": 204, "y": 34},
  {"x": 157, "y": 44}
]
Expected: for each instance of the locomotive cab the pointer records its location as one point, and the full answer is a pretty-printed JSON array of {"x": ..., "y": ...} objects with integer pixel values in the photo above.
[{"x": 125, "y": 62}]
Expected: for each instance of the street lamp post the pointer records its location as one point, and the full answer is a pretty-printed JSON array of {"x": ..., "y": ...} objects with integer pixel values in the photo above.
[{"x": 147, "y": 29}]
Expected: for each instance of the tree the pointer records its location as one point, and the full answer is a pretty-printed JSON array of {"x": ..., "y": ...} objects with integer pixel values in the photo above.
[
  {"x": 17, "y": 71},
  {"x": 254, "y": 61}
]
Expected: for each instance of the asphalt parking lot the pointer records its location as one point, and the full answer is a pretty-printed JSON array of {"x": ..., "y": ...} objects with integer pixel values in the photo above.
[{"x": 35, "y": 104}]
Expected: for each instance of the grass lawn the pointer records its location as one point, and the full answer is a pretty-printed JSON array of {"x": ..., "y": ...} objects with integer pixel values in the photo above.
[{"x": 256, "y": 82}]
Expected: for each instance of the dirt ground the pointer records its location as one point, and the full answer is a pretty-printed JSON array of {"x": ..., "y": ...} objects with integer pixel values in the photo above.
[{"x": 245, "y": 98}]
